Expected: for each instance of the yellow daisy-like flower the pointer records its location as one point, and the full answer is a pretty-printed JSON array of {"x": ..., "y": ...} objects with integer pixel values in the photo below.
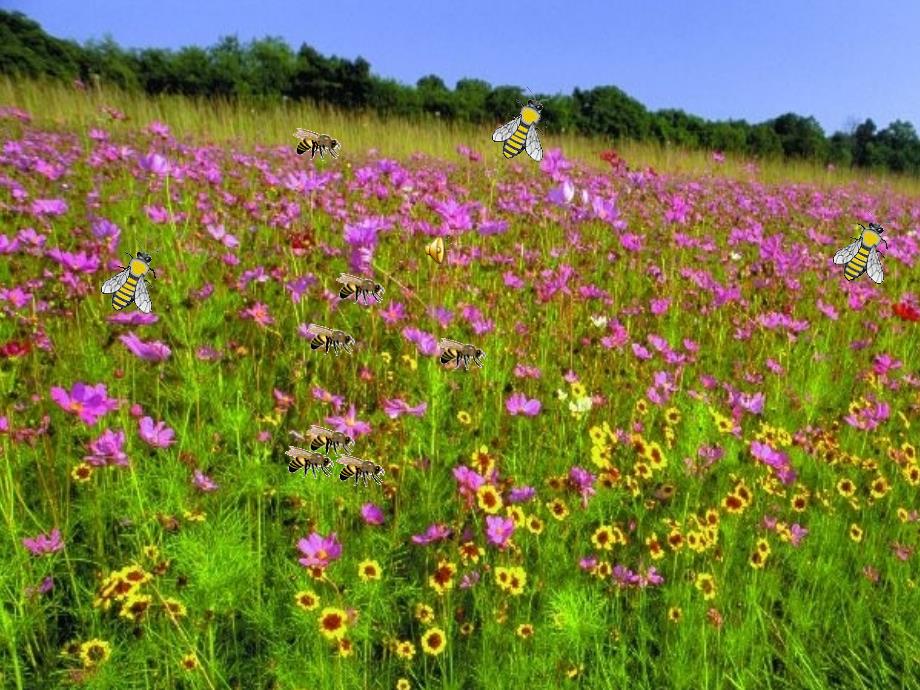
[
  {"x": 466, "y": 628},
  {"x": 434, "y": 641},
  {"x": 706, "y": 584},
  {"x": 369, "y": 570},
  {"x": 516, "y": 513},
  {"x": 879, "y": 487},
  {"x": 405, "y": 650},
  {"x": 598, "y": 435},
  {"x": 578, "y": 390},
  {"x": 675, "y": 613},
  {"x": 525, "y": 631},
  {"x": 411, "y": 361},
  {"x": 482, "y": 462},
  {"x": 135, "y": 606},
  {"x": 346, "y": 648},
  {"x": 856, "y": 533},
  {"x": 194, "y": 515},
  {"x": 443, "y": 578},
  {"x": 306, "y": 600},
  {"x": 386, "y": 357},
  {"x": 655, "y": 456},
  {"x": 151, "y": 552},
  {"x": 175, "y": 609},
  {"x": 333, "y": 623},
  {"x": 464, "y": 418},
  {"x": 189, "y": 662},
  {"x": 82, "y": 473},
  {"x": 517, "y": 578},
  {"x": 488, "y": 498},
  {"x": 641, "y": 407},
  {"x": 758, "y": 559},
  {"x": 95, "y": 652},
  {"x": 672, "y": 416},
  {"x": 470, "y": 552},
  {"x": 534, "y": 524},
  {"x": 911, "y": 473},
  {"x": 403, "y": 684},
  {"x": 846, "y": 488},
  {"x": 655, "y": 549},
  {"x": 558, "y": 509},
  {"x": 603, "y": 538},
  {"x": 424, "y": 614},
  {"x": 602, "y": 456}
]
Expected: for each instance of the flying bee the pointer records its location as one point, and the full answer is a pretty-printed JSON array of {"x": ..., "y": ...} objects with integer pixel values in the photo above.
[
  {"x": 308, "y": 460},
  {"x": 360, "y": 469},
  {"x": 328, "y": 338},
  {"x": 521, "y": 133},
  {"x": 128, "y": 286},
  {"x": 459, "y": 354},
  {"x": 862, "y": 255},
  {"x": 354, "y": 285},
  {"x": 313, "y": 142},
  {"x": 326, "y": 439}
]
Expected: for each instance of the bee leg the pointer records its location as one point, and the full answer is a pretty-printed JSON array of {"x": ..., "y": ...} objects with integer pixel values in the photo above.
[
  {"x": 885, "y": 241},
  {"x": 153, "y": 272}
]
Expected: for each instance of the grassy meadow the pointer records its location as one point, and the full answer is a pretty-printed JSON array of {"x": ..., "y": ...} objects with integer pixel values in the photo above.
[{"x": 689, "y": 460}]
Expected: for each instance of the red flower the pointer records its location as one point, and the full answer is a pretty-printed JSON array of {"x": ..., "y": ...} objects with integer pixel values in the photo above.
[
  {"x": 906, "y": 312},
  {"x": 15, "y": 348}
]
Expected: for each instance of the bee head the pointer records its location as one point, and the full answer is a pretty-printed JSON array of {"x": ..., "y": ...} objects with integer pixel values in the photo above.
[
  {"x": 538, "y": 106},
  {"x": 379, "y": 471},
  {"x": 378, "y": 288},
  {"x": 878, "y": 228},
  {"x": 327, "y": 462},
  {"x": 144, "y": 257},
  {"x": 480, "y": 354},
  {"x": 334, "y": 143}
]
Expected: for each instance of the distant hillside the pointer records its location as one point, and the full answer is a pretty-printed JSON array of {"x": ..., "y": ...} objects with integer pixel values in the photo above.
[{"x": 270, "y": 69}]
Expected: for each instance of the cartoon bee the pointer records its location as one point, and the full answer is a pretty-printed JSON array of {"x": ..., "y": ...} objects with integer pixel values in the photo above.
[
  {"x": 354, "y": 285},
  {"x": 457, "y": 354},
  {"x": 313, "y": 142},
  {"x": 307, "y": 460},
  {"x": 128, "y": 286},
  {"x": 862, "y": 255},
  {"x": 521, "y": 133},
  {"x": 326, "y": 439},
  {"x": 328, "y": 338},
  {"x": 360, "y": 469}
]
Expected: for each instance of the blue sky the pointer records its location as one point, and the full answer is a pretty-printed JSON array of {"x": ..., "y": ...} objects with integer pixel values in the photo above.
[{"x": 840, "y": 61}]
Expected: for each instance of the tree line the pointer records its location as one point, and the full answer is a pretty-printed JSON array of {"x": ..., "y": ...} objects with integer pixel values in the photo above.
[{"x": 269, "y": 69}]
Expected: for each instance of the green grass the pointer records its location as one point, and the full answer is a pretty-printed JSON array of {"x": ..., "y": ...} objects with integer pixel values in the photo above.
[{"x": 809, "y": 619}]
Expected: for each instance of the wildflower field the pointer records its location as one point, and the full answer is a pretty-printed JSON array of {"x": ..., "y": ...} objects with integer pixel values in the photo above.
[{"x": 689, "y": 461}]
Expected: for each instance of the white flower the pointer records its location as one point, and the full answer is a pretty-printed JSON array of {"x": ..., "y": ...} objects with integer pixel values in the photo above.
[{"x": 599, "y": 321}]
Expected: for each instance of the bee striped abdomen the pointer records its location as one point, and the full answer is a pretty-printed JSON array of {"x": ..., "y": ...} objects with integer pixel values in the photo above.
[
  {"x": 857, "y": 265},
  {"x": 302, "y": 147},
  {"x": 515, "y": 143},
  {"x": 346, "y": 473},
  {"x": 125, "y": 294}
]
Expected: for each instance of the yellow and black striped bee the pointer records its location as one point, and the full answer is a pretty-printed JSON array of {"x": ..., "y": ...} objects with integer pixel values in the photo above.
[
  {"x": 862, "y": 255},
  {"x": 128, "y": 286},
  {"x": 521, "y": 133},
  {"x": 357, "y": 286},
  {"x": 308, "y": 460},
  {"x": 316, "y": 143},
  {"x": 326, "y": 440},
  {"x": 454, "y": 354},
  {"x": 360, "y": 469},
  {"x": 329, "y": 338}
]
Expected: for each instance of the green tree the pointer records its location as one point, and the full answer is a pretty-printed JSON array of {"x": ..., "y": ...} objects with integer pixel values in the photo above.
[
  {"x": 504, "y": 102},
  {"x": 229, "y": 70},
  {"x": 900, "y": 147},
  {"x": 27, "y": 51},
  {"x": 470, "y": 96},
  {"x": 270, "y": 66},
  {"x": 608, "y": 111},
  {"x": 435, "y": 97},
  {"x": 801, "y": 137}
]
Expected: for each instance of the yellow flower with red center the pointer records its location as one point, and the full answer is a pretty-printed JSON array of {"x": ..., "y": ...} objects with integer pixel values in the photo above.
[
  {"x": 307, "y": 600},
  {"x": 706, "y": 584},
  {"x": 879, "y": 487},
  {"x": 95, "y": 652},
  {"x": 525, "y": 631},
  {"x": 856, "y": 533},
  {"x": 482, "y": 462},
  {"x": 655, "y": 549},
  {"x": 603, "y": 538},
  {"x": 189, "y": 662},
  {"x": 434, "y": 641},
  {"x": 558, "y": 509},
  {"x": 345, "y": 648},
  {"x": 516, "y": 513},
  {"x": 175, "y": 609},
  {"x": 369, "y": 570},
  {"x": 333, "y": 623},
  {"x": 675, "y": 613},
  {"x": 470, "y": 552},
  {"x": 534, "y": 524},
  {"x": 405, "y": 650},
  {"x": 488, "y": 498},
  {"x": 135, "y": 606},
  {"x": 424, "y": 614},
  {"x": 443, "y": 577},
  {"x": 82, "y": 473}
]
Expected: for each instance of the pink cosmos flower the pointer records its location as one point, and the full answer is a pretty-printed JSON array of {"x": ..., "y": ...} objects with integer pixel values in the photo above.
[
  {"x": 150, "y": 351},
  {"x": 156, "y": 435},
  {"x": 435, "y": 532},
  {"x": 319, "y": 551},
  {"x": 396, "y": 408},
  {"x": 372, "y": 514},
  {"x": 259, "y": 313},
  {"x": 133, "y": 318},
  {"x": 349, "y": 424},
  {"x": 108, "y": 449},
  {"x": 89, "y": 403},
  {"x": 203, "y": 482},
  {"x": 325, "y": 396},
  {"x": 44, "y": 543},
  {"x": 518, "y": 403},
  {"x": 499, "y": 530}
]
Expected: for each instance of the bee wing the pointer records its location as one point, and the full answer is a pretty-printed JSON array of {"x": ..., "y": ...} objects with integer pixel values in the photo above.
[
  {"x": 506, "y": 130},
  {"x": 305, "y": 133},
  {"x": 349, "y": 460},
  {"x": 315, "y": 329},
  {"x": 847, "y": 253},
  {"x": 334, "y": 150},
  {"x": 534, "y": 150},
  {"x": 115, "y": 282},
  {"x": 874, "y": 266},
  {"x": 299, "y": 436},
  {"x": 445, "y": 343},
  {"x": 319, "y": 431},
  {"x": 346, "y": 278},
  {"x": 295, "y": 452},
  {"x": 141, "y": 297}
]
